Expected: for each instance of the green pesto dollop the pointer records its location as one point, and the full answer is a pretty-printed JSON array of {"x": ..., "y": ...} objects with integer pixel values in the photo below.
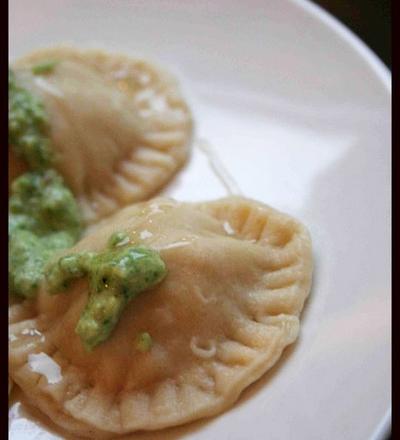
[
  {"x": 43, "y": 214},
  {"x": 120, "y": 238},
  {"x": 144, "y": 342},
  {"x": 44, "y": 68},
  {"x": 27, "y": 126},
  {"x": 41, "y": 203},
  {"x": 115, "y": 276},
  {"x": 43, "y": 219}
]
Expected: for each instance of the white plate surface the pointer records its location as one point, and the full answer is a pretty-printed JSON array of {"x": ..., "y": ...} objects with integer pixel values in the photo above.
[{"x": 299, "y": 112}]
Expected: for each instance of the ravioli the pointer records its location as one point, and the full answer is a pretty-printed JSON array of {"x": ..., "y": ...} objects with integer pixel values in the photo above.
[
  {"x": 119, "y": 126},
  {"x": 238, "y": 275}
]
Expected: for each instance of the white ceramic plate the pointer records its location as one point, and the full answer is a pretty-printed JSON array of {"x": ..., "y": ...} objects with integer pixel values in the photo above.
[{"x": 298, "y": 111}]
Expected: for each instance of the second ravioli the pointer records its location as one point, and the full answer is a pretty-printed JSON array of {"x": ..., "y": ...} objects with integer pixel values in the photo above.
[{"x": 118, "y": 126}]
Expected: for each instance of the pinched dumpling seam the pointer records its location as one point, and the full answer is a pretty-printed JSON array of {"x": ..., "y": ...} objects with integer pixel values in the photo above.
[{"x": 234, "y": 362}]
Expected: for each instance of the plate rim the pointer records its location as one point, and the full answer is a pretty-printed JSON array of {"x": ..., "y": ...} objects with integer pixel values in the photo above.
[
  {"x": 347, "y": 35},
  {"x": 383, "y": 74}
]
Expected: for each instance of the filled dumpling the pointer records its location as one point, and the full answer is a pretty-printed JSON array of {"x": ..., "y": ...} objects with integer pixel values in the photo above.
[
  {"x": 118, "y": 126},
  {"x": 237, "y": 273}
]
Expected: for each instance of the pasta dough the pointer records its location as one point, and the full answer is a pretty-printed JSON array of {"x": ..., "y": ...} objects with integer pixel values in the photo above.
[
  {"x": 238, "y": 275},
  {"x": 119, "y": 126}
]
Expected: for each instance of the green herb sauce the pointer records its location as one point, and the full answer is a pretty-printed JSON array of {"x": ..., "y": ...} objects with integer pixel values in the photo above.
[
  {"x": 144, "y": 342},
  {"x": 27, "y": 126},
  {"x": 43, "y": 214},
  {"x": 115, "y": 276},
  {"x": 44, "y": 68},
  {"x": 43, "y": 218}
]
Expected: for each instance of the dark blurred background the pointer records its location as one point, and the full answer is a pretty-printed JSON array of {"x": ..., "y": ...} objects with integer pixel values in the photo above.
[{"x": 369, "y": 19}]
